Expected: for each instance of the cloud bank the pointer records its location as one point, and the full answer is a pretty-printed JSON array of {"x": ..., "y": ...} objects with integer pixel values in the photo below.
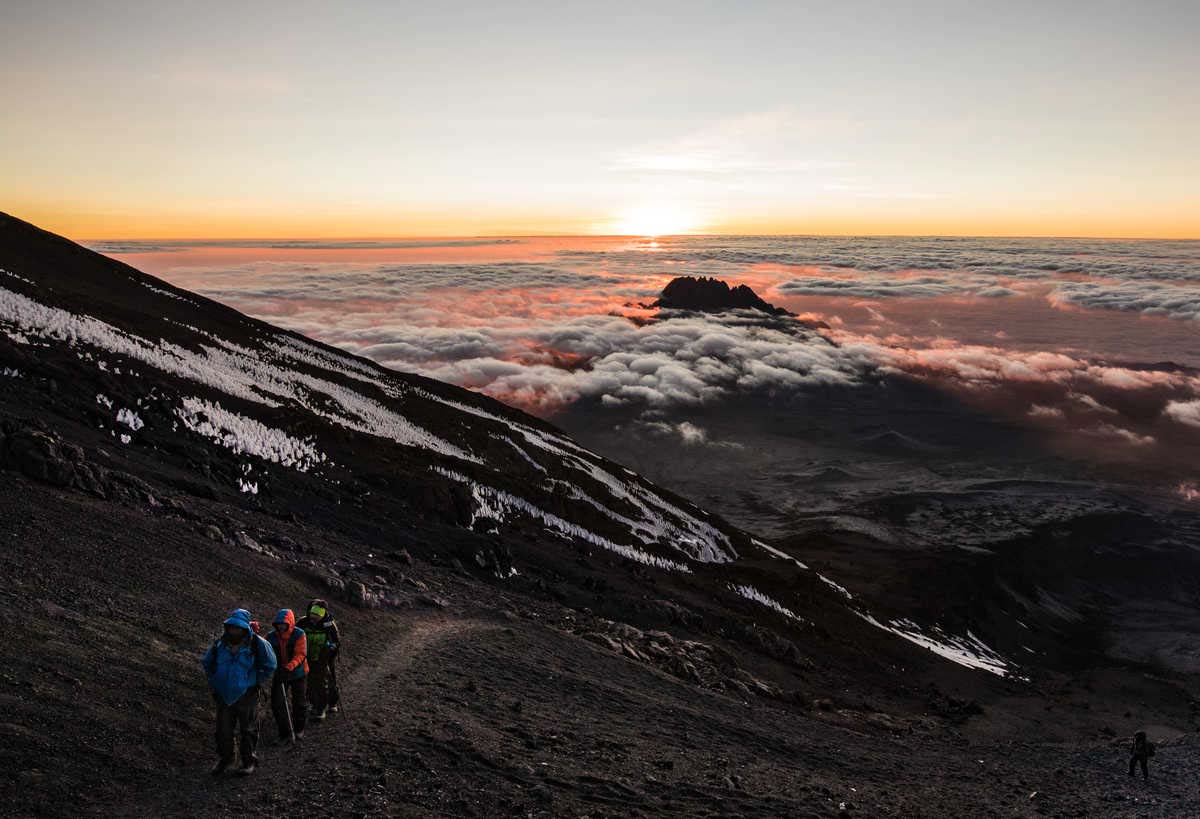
[{"x": 544, "y": 331}]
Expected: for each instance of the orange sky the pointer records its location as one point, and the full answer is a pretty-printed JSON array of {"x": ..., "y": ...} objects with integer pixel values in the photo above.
[
  {"x": 138, "y": 224},
  {"x": 925, "y": 118}
]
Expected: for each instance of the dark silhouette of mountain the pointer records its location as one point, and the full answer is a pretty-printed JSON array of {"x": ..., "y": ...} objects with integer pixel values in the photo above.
[{"x": 710, "y": 295}]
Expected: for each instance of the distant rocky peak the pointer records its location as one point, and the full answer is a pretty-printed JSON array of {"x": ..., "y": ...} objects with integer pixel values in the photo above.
[{"x": 711, "y": 295}]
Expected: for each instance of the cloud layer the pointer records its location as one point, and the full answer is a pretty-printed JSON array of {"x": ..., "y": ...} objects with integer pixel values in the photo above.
[{"x": 544, "y": 329}]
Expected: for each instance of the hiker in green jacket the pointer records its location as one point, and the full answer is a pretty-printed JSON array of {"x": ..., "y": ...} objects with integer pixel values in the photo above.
[{"x": 324, "y": 646}]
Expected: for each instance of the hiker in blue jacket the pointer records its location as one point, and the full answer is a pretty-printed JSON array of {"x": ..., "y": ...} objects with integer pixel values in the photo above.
[{"x": 237, "y": 663}]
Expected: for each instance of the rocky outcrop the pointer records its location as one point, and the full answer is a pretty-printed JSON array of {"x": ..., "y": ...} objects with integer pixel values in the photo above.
[
  {"x": 43, "y": 456},
  {"x": 700, "y": 663},
  {"x": 709, "y": 295}
]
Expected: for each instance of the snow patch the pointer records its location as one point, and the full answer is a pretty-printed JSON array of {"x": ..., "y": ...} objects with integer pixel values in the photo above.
[
  {"x": 658, "y": 519},
  {"x": 18, "y": 278},
  {"x": 751, "y": 593},
  {"x": 302, "y": 352},
  {"x": 130, "y": 419},
  {"x": 168, "y": 293},
  {"x": 838, "y": 587},
  {"x": 780, "y": 554},
  {"x": 497, "y": 504},
  {"x": 246, "y": 435},
  {"x": 231, "y": 369},
  {"x": 968, "y": 651},
  {"x": 525, "y": 455}
]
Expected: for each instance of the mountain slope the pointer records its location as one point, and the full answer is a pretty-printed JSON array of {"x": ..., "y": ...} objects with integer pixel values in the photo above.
[
  {"x": 167, "y": 459},
  {"x": 192, "y": 389},
  {"x": 283, "y": 403}
]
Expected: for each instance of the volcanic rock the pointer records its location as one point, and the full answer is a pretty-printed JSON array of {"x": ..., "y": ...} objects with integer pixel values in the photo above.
[{"x": 709, "y": 295}]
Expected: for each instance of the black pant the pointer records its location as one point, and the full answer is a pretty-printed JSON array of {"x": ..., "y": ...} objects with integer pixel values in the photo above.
[
  {"x": 299, "y": 702},
  {"x": 334, "y": 696},
  {"x": 1134, "y": 760},
  {"x": 240, "y": 715},
  {"x": 322, "y": 683}
]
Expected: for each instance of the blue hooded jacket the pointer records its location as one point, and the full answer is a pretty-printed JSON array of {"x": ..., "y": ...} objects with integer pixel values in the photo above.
[{"x": 232, "y": 675}]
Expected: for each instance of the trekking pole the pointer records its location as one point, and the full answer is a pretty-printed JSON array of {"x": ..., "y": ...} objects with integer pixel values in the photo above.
[{"x": 287, "y": 708}]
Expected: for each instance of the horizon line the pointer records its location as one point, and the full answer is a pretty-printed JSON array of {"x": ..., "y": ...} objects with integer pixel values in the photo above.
[{"x": 556, "y": 235}]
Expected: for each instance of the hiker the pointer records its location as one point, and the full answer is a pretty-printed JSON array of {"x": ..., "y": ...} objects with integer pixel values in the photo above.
[
  {"x": 237, "y": 663},
  {"x": 1142, "y": 750},
  {"x": 291, "y": 649},
  {"x": 324, "y": 643}
]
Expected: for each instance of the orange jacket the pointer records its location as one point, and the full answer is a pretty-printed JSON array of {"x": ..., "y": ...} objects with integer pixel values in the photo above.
[{"x": 291, "y": 646}]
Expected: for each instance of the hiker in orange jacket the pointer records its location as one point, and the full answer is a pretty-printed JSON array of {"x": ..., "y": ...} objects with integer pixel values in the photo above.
[{"x": 291, "y": 647}]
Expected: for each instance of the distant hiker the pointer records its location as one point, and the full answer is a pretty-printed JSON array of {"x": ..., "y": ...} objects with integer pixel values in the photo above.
[
  {"x": 1141, "y": 752},
  {"x": 324, "y": 644},
  {"x": 237, "y": 663},
  {"x": 291, "y": 649}
]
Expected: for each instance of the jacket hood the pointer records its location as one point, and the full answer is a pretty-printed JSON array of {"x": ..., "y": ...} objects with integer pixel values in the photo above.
[
  {"x": 239, "y": 618},
  {"x": 285, "y": 616}
]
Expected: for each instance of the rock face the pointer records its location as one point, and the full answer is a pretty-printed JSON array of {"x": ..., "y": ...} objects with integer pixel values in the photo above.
[{"x": 710, "y": 295}]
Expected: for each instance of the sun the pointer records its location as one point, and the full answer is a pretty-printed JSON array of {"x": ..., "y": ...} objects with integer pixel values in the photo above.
[{"x": 658, "y": 219}]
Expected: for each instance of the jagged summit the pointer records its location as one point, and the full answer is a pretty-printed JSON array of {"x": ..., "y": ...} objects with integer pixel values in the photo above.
[{"x": 711, "y": 295}]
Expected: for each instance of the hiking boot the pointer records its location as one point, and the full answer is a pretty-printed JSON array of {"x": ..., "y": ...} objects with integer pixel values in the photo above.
[
  {"x": 320, "y": 713},
  {"x": 337, "y": 709},
  {"x": 220, "y": 767},
  {"x": 299, "y": 735},
  {"x": 248, "y": 768}
]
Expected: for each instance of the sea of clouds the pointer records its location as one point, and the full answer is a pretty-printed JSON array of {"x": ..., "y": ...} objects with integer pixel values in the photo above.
[{"x": 544, "y": 329}]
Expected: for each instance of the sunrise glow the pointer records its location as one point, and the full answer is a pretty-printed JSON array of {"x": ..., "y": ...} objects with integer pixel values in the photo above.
[
  {"x": 574, "y": 121},
  {"x": 653, "y": 220}
]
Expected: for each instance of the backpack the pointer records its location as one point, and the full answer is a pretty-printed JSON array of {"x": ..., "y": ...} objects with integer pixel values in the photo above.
[
  {"x": 254, "y": 638},
  {"x": 317, "y": 637}
]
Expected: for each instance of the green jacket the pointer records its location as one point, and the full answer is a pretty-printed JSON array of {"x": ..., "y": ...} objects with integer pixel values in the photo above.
[{"x": 324, "y": 640}]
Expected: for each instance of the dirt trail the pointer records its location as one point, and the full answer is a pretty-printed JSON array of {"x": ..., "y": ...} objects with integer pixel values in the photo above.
[{"x": 304, "y": 776}]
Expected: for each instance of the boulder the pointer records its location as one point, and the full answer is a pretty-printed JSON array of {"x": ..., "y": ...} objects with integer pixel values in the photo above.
[
  {"x": 359, "y": 595},
  {"x": 246, "y": 542},
  {"x": 39, "y": 456}
]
